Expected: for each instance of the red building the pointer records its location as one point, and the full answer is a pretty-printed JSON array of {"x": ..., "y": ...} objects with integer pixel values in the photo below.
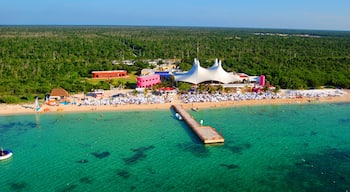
[{"x": 109, "y": 74}]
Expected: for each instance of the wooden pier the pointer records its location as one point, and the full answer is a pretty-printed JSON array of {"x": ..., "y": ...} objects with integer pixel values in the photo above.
[{"x": 206, "y": 133}]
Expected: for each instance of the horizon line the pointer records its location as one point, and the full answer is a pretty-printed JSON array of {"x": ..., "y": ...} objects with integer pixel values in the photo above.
[{"x": 166, "y": 26}]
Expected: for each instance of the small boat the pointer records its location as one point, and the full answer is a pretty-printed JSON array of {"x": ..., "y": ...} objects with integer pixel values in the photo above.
[
  {"x": 195, "y": 109},
  {"x": 5, "y": 154},
  {"x": 178, "y": 116}
]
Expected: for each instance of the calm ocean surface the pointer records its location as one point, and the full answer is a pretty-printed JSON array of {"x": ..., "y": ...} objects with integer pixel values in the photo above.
[{"x": 267, "y": 148}]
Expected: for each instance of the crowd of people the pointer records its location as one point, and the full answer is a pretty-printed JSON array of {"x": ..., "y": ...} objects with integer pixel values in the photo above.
[
  {"x": 313, "y": 93},
  {"x": 218, "y": 97},
  {"x": 128, "y": 99},
  {"x": 207, "y": 97}
]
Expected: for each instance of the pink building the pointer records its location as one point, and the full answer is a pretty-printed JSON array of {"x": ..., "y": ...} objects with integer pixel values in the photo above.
[
  {"x": 147, "y": 81},
  {"x": 262, "y": 80}
]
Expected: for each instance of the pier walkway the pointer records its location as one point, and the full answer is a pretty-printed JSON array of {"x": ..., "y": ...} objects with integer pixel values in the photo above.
[{"x": 206, "y": 133}]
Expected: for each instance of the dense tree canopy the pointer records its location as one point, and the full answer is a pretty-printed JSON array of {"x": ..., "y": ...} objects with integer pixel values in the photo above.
[{"x": 33, "y": 60}]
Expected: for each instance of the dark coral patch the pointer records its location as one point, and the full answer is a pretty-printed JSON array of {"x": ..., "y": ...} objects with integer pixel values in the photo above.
[
  {"x": 338, "y": 154},
  {"x": 345, "y": 120},
  {"x": 238, "y": 148},
  {"x": 230, "y": 166},
  {"x": 124, "y": 174},
  {"x": 20, "y": 127},
  {"x": 138, "y": 155},
  {"x": 142, "y": 149},
  {"x": 198, "y": 150},
  {"x": 133, "y": 159},
  {"x": 313, "y": 133},
  {"x": 101, "y": 155},
  {"x": 18, "y": 186},
  {"x": 86, "y": 180}
]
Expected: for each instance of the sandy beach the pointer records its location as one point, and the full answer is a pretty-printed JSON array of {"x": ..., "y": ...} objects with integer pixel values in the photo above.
[{"x": 7, "y": 109}]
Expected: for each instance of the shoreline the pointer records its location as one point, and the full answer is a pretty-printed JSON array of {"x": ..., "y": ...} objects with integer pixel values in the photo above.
[{"x": 17, "y": 109}]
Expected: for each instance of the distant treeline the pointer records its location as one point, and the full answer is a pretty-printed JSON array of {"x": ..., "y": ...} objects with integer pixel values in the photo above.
[{"x": 35, "y": 59}]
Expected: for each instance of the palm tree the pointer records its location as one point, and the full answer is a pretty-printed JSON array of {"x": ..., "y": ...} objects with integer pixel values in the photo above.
[
  {"x": 220, "y": 88},
  {"x": 201, "y": 88},
  {"x": 266, "y": 88},
  {"x": 211, "y": 89}
]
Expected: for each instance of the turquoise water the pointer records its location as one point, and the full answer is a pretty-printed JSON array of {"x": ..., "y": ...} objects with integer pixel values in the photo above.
[{"x": 267, "y": 148}]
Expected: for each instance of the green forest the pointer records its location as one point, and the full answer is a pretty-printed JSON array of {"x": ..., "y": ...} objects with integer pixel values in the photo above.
[{"x": 35, "y": 59}]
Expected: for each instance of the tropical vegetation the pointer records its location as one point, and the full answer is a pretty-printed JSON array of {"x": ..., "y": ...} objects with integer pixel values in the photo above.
[{"x": 35, "y": 59}]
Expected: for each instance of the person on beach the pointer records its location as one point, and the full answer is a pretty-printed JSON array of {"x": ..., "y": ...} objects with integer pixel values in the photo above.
[{"x": 2, "y": 152}]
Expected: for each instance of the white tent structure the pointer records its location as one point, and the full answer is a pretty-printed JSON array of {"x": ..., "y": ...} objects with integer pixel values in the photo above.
[{"x": 198, "y": 74}]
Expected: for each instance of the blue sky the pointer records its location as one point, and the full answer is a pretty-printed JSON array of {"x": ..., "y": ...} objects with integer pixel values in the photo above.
[{"x": 292, "y": 14}]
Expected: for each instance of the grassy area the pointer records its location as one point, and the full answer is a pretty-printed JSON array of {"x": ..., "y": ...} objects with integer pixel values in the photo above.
[{"x": 130, "y": 80}]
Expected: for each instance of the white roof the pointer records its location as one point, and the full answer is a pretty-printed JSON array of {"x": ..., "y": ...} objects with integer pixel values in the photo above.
[{"x": 198, "y": 74}]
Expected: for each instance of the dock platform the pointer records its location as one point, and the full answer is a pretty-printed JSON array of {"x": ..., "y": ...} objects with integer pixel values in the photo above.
[{"x": 206, "y": 133}]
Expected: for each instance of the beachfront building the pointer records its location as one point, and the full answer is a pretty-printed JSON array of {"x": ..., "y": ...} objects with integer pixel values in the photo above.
[
  {"x": 59, "y": 94},
  {"x": 167, "y": 91},
  {"x": 56, "y": 96},
  {"x": 164, "y": 75},
  {"x": 147, "y": 71},
  {"x": 166, "y": 67},
  {"x": 109, "y": 74},
  {"x": 148, "y": 81},
  {"x": 124, "y": 62},
  {"x": 198, "y": 74},
  {"x": 216, "y": 74},
  {"x": 244, "y": 78}
]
